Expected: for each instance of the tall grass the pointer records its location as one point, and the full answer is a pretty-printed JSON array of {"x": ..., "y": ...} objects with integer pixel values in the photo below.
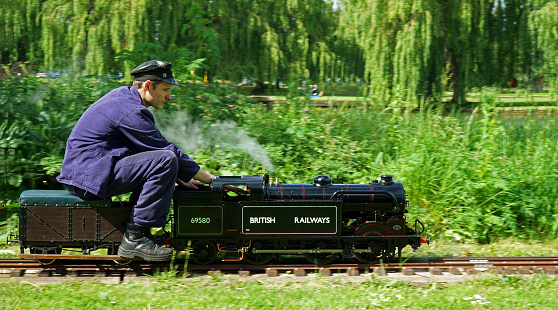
[{"x": 468, "y": 176}]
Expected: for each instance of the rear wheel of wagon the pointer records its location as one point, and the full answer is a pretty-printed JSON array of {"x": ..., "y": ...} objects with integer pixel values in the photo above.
[{"x": 45, "y": 250}]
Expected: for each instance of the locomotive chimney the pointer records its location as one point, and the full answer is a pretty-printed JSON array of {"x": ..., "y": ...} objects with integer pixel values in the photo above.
[{"x": 386, "y": 179}]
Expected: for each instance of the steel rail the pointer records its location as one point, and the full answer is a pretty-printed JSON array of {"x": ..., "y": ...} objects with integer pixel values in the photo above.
[{"x": 104, "y": 266}]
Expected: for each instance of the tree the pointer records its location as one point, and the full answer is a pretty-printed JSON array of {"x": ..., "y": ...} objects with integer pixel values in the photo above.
[
  {"x": 279, "y": 39},
  {"x": 409, "y": 46},
  {"x": 19, "y": 35},
  {"x": 85, "y": 36},
  {"x": 270, "y": 40},
  {"x": 545, "y": 24}
]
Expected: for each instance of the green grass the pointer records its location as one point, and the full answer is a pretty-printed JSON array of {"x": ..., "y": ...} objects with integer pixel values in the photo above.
[
  {"x": 502, "y": 97},
  {"x": 313, "y": 292},
  {"x": 442, "y": 247}
]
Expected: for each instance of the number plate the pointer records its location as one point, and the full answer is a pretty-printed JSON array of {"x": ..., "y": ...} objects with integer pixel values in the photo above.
[{"x": 200, "y": 220}]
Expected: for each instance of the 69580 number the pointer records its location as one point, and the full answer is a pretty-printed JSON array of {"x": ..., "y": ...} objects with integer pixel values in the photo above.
[{"x": 200, "y": 220}]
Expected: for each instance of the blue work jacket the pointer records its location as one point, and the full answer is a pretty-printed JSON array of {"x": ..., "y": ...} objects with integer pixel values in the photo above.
[{"x": 115, "y": 126}]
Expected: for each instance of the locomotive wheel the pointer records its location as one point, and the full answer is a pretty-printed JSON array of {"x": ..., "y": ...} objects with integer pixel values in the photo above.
[
  {"x": 45, "y": 251},
  {"x": 320, "y": 258},
  {"x": 204, "y": 252},
  {"x": 259, "y": 258},
  {"x": 378, "y": 251}
]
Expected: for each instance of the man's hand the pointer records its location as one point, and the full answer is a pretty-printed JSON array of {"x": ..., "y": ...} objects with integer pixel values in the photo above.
[
  {"x": 236, "y": 190},
  {"x": 193, "y": 184}
]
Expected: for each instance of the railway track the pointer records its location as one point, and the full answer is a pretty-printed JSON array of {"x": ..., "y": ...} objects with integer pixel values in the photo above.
[{"x": 106, "y": 267}]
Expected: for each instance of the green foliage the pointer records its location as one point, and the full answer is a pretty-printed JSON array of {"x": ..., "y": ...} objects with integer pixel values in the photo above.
[
  {"x": 268, "y": 40},
  {"x": 37, "y": 118},
  {"x": 202, "y": 40},
  {"x": 407, "y": 52},
  {"x": 52, "y": 164},
  {"x": 182, "y": 58},
  {"x": 19, "y": 38},
  {"x": 472, "y": 178},
  {"x": 545, "y": 23},
  {"x": 412, "y": 49},
  {"x": 12, "y": 159}
]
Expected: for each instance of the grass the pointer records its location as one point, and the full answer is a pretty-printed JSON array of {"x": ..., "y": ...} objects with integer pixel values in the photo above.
[
  {"x": 503, "y": 247},
  {"x": 353, "y": 93},
  {"x": 285, "y": 292},
  {"x": 166, "y": 290}
]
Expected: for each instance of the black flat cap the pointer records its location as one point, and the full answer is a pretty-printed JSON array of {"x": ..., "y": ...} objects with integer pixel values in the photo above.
[{"x": 154, "y": 70}]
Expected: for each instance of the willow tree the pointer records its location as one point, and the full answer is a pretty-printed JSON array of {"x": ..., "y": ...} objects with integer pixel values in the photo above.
[
  {"x": 85, "y": 35},
  {"x": 545, "y": 24},
  {"x": 413, "y": 48},
  {"x": 277, "y": 39},
  {"x": 19, "y": 32}
]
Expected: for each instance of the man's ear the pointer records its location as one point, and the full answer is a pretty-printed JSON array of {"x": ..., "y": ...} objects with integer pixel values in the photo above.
[{"x": 146, "y": 85}]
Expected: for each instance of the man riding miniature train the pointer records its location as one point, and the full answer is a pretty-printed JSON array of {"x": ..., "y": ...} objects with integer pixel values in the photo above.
[{"x": 115, "y": 148}]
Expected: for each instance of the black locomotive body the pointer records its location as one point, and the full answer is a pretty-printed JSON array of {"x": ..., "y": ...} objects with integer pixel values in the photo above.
[
  {"x": 272, "y": 221},
  {"x": 322, "y": 221}
]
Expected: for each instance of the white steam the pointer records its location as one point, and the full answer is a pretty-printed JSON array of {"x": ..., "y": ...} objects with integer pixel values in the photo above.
[{"x": 184, "y": 132}]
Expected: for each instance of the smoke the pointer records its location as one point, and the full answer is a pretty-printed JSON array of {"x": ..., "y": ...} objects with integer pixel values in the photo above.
[{"x": 180, "y": 129}]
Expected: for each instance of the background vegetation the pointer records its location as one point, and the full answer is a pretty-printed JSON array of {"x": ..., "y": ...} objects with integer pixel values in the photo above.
[
  {"x": 432, "y": 74},
  {"x": 406, "y": 52}
]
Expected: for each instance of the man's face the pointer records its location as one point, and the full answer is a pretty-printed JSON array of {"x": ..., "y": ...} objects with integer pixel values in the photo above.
[{"x": 156, "y": 96}]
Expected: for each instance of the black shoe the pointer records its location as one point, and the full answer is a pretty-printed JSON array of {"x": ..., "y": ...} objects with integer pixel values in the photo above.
[{"x": 136, "y": 243}]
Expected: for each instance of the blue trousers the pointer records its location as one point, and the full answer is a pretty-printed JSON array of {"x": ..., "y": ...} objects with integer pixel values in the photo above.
[{"x": 151, "y": 177}]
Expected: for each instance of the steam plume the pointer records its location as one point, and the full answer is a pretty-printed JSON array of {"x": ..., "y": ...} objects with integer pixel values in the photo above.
[{"x": 180, "y": 129}]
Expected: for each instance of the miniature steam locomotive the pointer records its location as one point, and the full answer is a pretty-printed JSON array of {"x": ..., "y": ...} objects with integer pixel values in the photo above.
[{"x": 321, "y": 221}]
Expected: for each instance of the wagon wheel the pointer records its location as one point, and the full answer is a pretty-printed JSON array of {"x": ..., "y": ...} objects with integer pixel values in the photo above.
[
  {"x": 113, "y": 250},
  {"x": 377, "y": 251},
  {"x": 45, "y": 250},
  {"x": 204, "y": 252},
  {"x": 259, "y": 258},
  {"x": 320, "y": 258},
  {"x": 122, "y": 262}
]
